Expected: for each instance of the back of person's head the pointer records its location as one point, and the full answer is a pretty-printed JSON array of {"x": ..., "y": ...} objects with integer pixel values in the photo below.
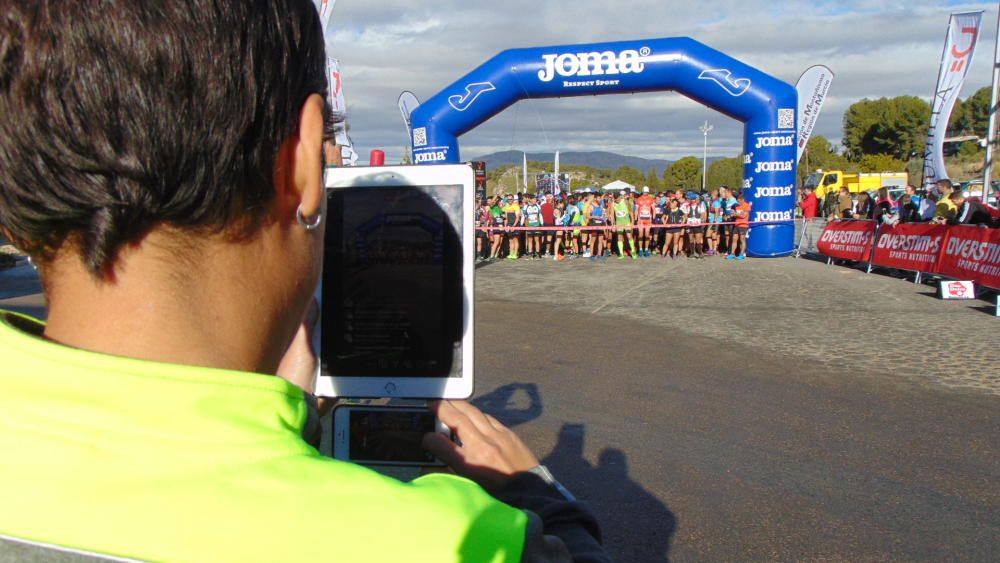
[
  {"x": 957, "y": 197},
  {"x": 945, "y": 185},
  {"x": 123, "y": 116}
]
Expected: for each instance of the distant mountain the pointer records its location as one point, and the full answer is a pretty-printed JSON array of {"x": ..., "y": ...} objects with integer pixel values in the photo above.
[{"x": 597, "y": 159}]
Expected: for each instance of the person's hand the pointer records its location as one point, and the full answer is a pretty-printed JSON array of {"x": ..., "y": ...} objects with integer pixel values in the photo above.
[{"x": 490, "y": 453}]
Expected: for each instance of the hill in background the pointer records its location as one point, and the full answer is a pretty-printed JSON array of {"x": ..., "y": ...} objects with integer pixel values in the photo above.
[
  {"x": 593, "y": 168},
  {"x": 594, "y": 159}
]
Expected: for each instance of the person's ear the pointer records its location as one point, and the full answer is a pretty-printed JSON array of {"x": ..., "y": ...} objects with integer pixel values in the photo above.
[
  {"x": 308, "y": 171},
  {"x": 299, "y": 170}
]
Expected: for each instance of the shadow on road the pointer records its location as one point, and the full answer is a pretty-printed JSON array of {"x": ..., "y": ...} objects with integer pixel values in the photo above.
[
  {"x": 636, "y": 525},
  {"x": 512, "y": 404}
]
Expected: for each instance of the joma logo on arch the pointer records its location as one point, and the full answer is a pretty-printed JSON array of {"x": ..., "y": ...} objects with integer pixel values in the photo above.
[{"x": 593, "y": 64}]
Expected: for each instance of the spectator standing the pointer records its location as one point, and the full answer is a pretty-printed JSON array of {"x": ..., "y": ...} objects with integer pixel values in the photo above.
[
  {"x": 911, "y": 191},
  {"x": 908, "y": 211},
  {"x": 945, "y": 210},
  {"x": 928, "y": 206},
  {"x": 866, "y": 207},
  {"x": 845, "y": 205},
  {"x": 809, "y": 204},
  {"x": 831, "y": 204}
]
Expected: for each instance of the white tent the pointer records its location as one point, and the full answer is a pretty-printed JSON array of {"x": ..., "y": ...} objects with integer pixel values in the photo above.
[{"x": 617, "y": 186}]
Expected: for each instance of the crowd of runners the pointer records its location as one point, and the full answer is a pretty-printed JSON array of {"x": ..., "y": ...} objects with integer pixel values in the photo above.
[{"x": 597, "y": 226}]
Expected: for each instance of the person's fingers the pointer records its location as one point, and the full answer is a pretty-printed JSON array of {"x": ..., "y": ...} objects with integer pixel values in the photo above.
[
  {"x": 463, "y": 428},
  {"x": 496, "y": 424},
  {"x": 443, "y": 449},
  {"x": 475, "y": 415}
]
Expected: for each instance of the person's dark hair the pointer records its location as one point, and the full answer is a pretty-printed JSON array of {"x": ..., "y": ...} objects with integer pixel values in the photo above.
[{"x": 123, "y": 115}]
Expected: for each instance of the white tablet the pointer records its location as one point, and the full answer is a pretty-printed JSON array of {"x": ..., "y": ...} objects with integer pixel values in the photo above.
[{"x": 396, "y": 294}]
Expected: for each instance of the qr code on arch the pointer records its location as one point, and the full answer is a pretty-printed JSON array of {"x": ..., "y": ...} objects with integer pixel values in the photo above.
[
  {"x": 420, "y": 137},
  {"x": 786, "y": 119}
]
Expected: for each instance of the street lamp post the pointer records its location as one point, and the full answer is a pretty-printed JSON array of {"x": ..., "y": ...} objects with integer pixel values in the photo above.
[{"x": 705, "y": 130}]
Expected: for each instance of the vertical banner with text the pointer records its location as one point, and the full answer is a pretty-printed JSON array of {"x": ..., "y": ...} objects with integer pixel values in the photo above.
[
  {"x": 959, "y": 46},
  {"x": 813, "y": 87}
]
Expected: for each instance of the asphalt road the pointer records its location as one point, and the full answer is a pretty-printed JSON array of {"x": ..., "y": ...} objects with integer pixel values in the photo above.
[{"x": 707, "y": 448}]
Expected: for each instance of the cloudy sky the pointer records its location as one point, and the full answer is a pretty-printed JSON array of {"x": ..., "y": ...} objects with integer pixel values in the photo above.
[{"x": 875, "y": 47}]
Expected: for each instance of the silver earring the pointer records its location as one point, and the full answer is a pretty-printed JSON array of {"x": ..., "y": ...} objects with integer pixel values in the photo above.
[{"x": 302, "y": 221}]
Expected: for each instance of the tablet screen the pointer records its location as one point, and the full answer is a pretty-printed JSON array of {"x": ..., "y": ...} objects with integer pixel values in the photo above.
[{"x": 392, "y": 282}]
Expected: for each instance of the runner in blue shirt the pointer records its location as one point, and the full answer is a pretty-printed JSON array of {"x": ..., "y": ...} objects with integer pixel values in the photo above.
[
  {"x": 728, "y": 216},
  {"x": 714, "y": 218}
]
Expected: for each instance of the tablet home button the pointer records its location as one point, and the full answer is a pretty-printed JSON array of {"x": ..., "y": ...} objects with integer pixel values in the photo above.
[{"x": 390, "y": 388}]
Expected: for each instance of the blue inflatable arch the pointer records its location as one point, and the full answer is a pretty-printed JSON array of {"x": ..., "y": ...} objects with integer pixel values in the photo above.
[{"x": 764, "y": 104}]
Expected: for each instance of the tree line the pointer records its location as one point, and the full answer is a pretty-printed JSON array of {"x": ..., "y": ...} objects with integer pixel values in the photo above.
[{"x": 883, "y": 135}]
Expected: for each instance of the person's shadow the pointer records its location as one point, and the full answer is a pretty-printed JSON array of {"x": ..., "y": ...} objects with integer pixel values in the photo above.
[
  {"x": 637, "y": 527},
  {"x": 512, "y": 404}
]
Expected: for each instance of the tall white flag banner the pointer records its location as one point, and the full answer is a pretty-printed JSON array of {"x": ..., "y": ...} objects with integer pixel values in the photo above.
[
  {"x": 813, "y": 86},
  {"x": 407, "y": 102},
  {"x": 555, "y": 188},
  {"x": 338, "y": 106},
  {"x": 325, "y": 8},
  {"x": 959, "y": 46},
  {"x": 524, "y": 174},
  {"x": 335, "y": 95}
]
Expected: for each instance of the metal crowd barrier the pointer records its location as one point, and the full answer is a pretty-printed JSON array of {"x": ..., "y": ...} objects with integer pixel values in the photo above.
[{"x": 807, "y": 233}]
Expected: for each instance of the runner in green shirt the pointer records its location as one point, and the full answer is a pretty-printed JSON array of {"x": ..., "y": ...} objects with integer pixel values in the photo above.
[{"x": 624, "y": 221}]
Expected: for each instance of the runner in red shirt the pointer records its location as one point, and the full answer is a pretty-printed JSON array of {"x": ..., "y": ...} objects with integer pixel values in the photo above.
[
  {"x": 742, "y": 227},
  {"x": 548, "y": 220},
  {"x": 644, "y": 219}
]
